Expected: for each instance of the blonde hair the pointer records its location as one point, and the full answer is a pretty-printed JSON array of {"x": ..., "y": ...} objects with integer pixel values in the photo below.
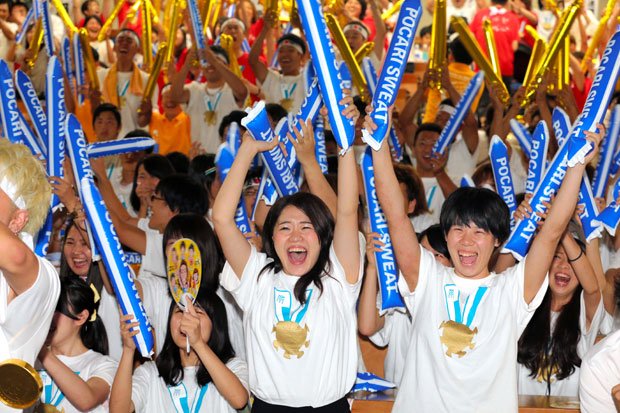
[{"x": 26, "y": 173}]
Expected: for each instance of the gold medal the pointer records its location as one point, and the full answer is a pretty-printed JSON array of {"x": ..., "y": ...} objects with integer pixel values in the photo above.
[
  {"x": 287, "y": 104},
  {"x": 20, "y": 384},
  {"x": 47, "y": 408},
  {"x": 209, "y": 117},
  {"x": 121, "y": 102}
]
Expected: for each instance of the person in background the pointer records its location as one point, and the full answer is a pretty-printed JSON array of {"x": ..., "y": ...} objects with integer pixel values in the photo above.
[{"x": 171, "y": 129}]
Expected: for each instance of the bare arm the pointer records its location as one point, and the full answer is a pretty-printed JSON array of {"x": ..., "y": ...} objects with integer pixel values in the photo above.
[
  {"x": 234, "y": 245},
  {"x": 368, "y": 319},
  {"x": 19, "y": 265},
  {"x": 178, "y": 93},
  {"x": 258, "y": 67},
  {"x": 120, "y": 397},
  {"x": 470, "y": 126},
  {"x": 380, "y": 29},
  {"x": 240, "y": 91}
]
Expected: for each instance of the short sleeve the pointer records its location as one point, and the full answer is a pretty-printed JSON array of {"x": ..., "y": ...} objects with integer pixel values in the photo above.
[
  {"x": 143, "y": 378},
  {"x": 589, "y": 334},
  {"x": 270, "y": 80},
  {"x": 242, "y": 289},
  {"x": 195, "y": 97},
  {"x": 154, "y": 253},
  {"x": 428, "y": 265},
  {"x": 240, "y": 369},
  {"x": 594, "y": 388},
  {"x": 105, "y": 369}
]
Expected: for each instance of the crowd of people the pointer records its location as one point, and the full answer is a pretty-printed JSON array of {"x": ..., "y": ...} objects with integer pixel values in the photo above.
[{"x": 280, "y": 306}]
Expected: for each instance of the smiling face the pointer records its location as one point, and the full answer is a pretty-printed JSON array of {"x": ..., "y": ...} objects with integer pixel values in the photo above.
[
  {"x": 354, "y": 8},
  {"x": 562, "y": 279},
  {"x": 424, "y": 149},
  {"x": 93, "y": 28},
  {"x": 289, "y": 59},
  {"x": 234, "y": 29},
  {"x": 470, "y": 248},
  {"x": 295, "y": 241},
  {"x": 77, "y": 251},
  {"x": 354, "y": 38},
  {"x": 126, "y": 47}
]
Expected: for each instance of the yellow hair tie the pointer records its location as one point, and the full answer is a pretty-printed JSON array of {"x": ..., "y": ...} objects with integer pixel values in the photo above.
[
  {"x": 93, "y": 317},
  {"x": 97, "y": 296}
]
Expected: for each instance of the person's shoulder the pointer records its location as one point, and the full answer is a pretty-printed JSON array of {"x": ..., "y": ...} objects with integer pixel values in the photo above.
[{"x": 607, "y": 348}]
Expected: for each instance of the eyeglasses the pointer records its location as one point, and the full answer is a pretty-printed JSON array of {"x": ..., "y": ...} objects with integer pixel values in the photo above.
[{"x": 155, "y": 197}]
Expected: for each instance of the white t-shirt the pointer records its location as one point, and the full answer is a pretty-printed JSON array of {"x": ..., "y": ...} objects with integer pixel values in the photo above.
[
  {"x": 234, "y": 316},
  {"x": 460, "y": 160},
  {"x": 129, "y": 102},
  {"x": 153, "y": 260},
  {"x": 87, "y": 365},
  {"x": 25, "y": 321},
  {"x": 600, "y": 372},
  {"x": 201, "y": 100},
  {"x": 110, "y": 314},
  {"x": 278, "y": 87},
  {"x": 149, "y": 392},
  {"x": 157, "y": 301},
  {"x": 453, "y": 363},
  {"x": 570, "y": 385},
  {"x": 434, "y": 197},
  {"x": 297, "y": 355},
  {"x": 423, "y": 221},
  {"x": 5, "y": 45}
]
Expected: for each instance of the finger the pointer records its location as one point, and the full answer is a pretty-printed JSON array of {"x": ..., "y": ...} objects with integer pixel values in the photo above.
[{"x": 190, "y": 306}]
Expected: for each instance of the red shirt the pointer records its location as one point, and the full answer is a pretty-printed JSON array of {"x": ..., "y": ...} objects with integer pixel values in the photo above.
[
  {"x": 581, "y": 95},
  {"x": 506, "y": 30},
  {"x": 136, "y": 23}
]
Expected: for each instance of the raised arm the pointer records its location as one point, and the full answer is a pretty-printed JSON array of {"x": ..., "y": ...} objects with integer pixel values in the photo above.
[
  {"x": 120, "y": 396},
  {"x": 259, "y": 68},
  {"x": 178, "y": 94},
  {"x": 18, "y": 263},
  {"x": 585, "y": 274},
  {"x": 404, "y": 240},
  {"x": 380, "y": 29},
  {"x": 368, "y": 319},
  {"x": 236, "y": 248},
  {"x": 544, "y": 244},
  {"x": 240, "y": 91}
]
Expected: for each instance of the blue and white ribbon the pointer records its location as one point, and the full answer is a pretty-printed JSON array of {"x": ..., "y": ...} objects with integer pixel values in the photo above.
[
  {"x": 48, "y": 34},
  {"x": 371, "y": 383},
  {"x": 467, "y": 182},
  {"x": 116, "y": 266},
  {"x": 22, "y": 32},
  {"x": 610, "y": 216},
  {"x": 56, "y": 114},
  {"x": 257, "y": 123},
  {"x": 223, "y": 163},
  {"x": 598, "y": 99},
  {"x": 199, "y": 34},
  {"x": 33, "y": 107},
  {"x": 523, "y": 136},
  {"x": 67, "y": 60},
  {"x": 500, "y": 163},
  {"x": 561, "y": 125},
  {"x": 460, "y": 111},
  {"x": 283, "y": 306},
  {"x": 592, "y": 227},
  {"x": 11, "y": 127},
  {"x": 387, "y": 269},
  {"x": 326, "y": 69},
  {"x": 320, "y": 149},
  {"x": 522, "y": 234},
  {"x": 80, "y": 68},
  {"x": 538, "y": 157},
  {"x": 463, "y": 315},
  {"x": 245, "y": 46},
  {"x": 606, "y": 155},
  {"x": 117, "y": 147},
  {"x": 393, "y": 70}
]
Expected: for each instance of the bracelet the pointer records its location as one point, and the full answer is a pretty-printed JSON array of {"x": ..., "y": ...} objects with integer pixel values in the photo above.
[{"x": 576, "y": 258}]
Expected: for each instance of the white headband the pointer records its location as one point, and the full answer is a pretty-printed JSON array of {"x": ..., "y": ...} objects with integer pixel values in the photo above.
[
  {"x": 447, "y": 108},
  {"x": 358, "y": 28},
  {"x": 11, "y": 191},
  {"x": 233, "y": 20},
  {"x": 129, "y": 33},
  {"x": 294, "y": 45}
]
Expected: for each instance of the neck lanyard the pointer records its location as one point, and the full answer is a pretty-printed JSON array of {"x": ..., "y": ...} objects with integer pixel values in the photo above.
[{"x": 178, "y": 394}]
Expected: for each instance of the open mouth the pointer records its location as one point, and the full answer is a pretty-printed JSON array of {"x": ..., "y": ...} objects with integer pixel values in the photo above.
[
  {"x": 468, "y": 258},
  {"x": 297, "y": 255},
  {"x": 561, "y": 280}
]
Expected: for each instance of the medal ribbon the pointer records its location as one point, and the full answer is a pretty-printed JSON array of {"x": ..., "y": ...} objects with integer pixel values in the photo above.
[
  {"x": 178, "y": 394},
  {"x": 453, "y": 304},
  {"x": 282, "y": 300},
  {"x": 287, "y": 92},
  {"x": 212, "y": 107}
]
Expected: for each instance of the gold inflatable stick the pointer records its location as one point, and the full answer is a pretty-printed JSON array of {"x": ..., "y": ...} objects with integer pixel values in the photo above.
[
  {"x": 35, "y": 45},
  {"x": 537, "y": 53},
  {"x": 596, "y": 38},
  {"x": 392, "y": 10},
  {"x": 227, "y": 43},
  {"x": 89, "y": 60},
  {"x": 364, "y": 51},
  {"x": 438, "y": 44},
  {"x": 108, "y": 22},
  {"x": 357, "y": 77},
  {"x": 172, "y": 30},
  {"x": 147, "y": 37},
  {"x": 152, "y": 81},
  {"x": 64, "y": 16},
  {"x": 489, "y": 39}
]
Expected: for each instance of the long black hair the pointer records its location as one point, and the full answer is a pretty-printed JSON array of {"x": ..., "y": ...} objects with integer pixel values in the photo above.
[
  {"x": 323, "y": 223},
  {"x": 75, "y": 297},
  {"x": 156, "y": 165},
  {"x": 196, "y": 228},
  {"x": 94, "y": 274},
  {"x": 169, "y": 359},
  {"x": 544, "y": 351}
]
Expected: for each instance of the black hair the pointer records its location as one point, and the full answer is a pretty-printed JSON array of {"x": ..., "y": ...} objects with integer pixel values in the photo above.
[
  {"x": 323, "y": 223},
  {"x": 436, "y": 239},
  {"x": 202, "y": 169},
  {"x": 75, "y": 297},
  {"x": 500, "y": 2},
  {"x": 168, "y": 361},
  {"x": 363, "y": 5},
  {"x": 544, "y": 351},
  {"x": 221, "y": 51},
  {"x": 84, "y": 8},
  {"x": 94, "y": 275},
  {"x": 155, "y": 165},
  {"x": 406, "y": 175},
  {"x": 196, "y": 228},
  {"x": 460, "y": 54},
  {"x": 293, "y": 38},
  {"x": 360, "y": 105},
  {"x": 426, "y": 30},
  {"x": 18, "y": 3},
  {"x": 234, "y": 116},
  {"x": 92, "y": 17},
  {"x": 427, "y": 127},
  {"x": 107, "y": 107},
  {"x": 179, "y": 161},
  {"x": 183, "y": 194},
  {"x": 275, "y": 112},
  {"x": 479, "y": 206},
  {"x": 6, "y": 2}
]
